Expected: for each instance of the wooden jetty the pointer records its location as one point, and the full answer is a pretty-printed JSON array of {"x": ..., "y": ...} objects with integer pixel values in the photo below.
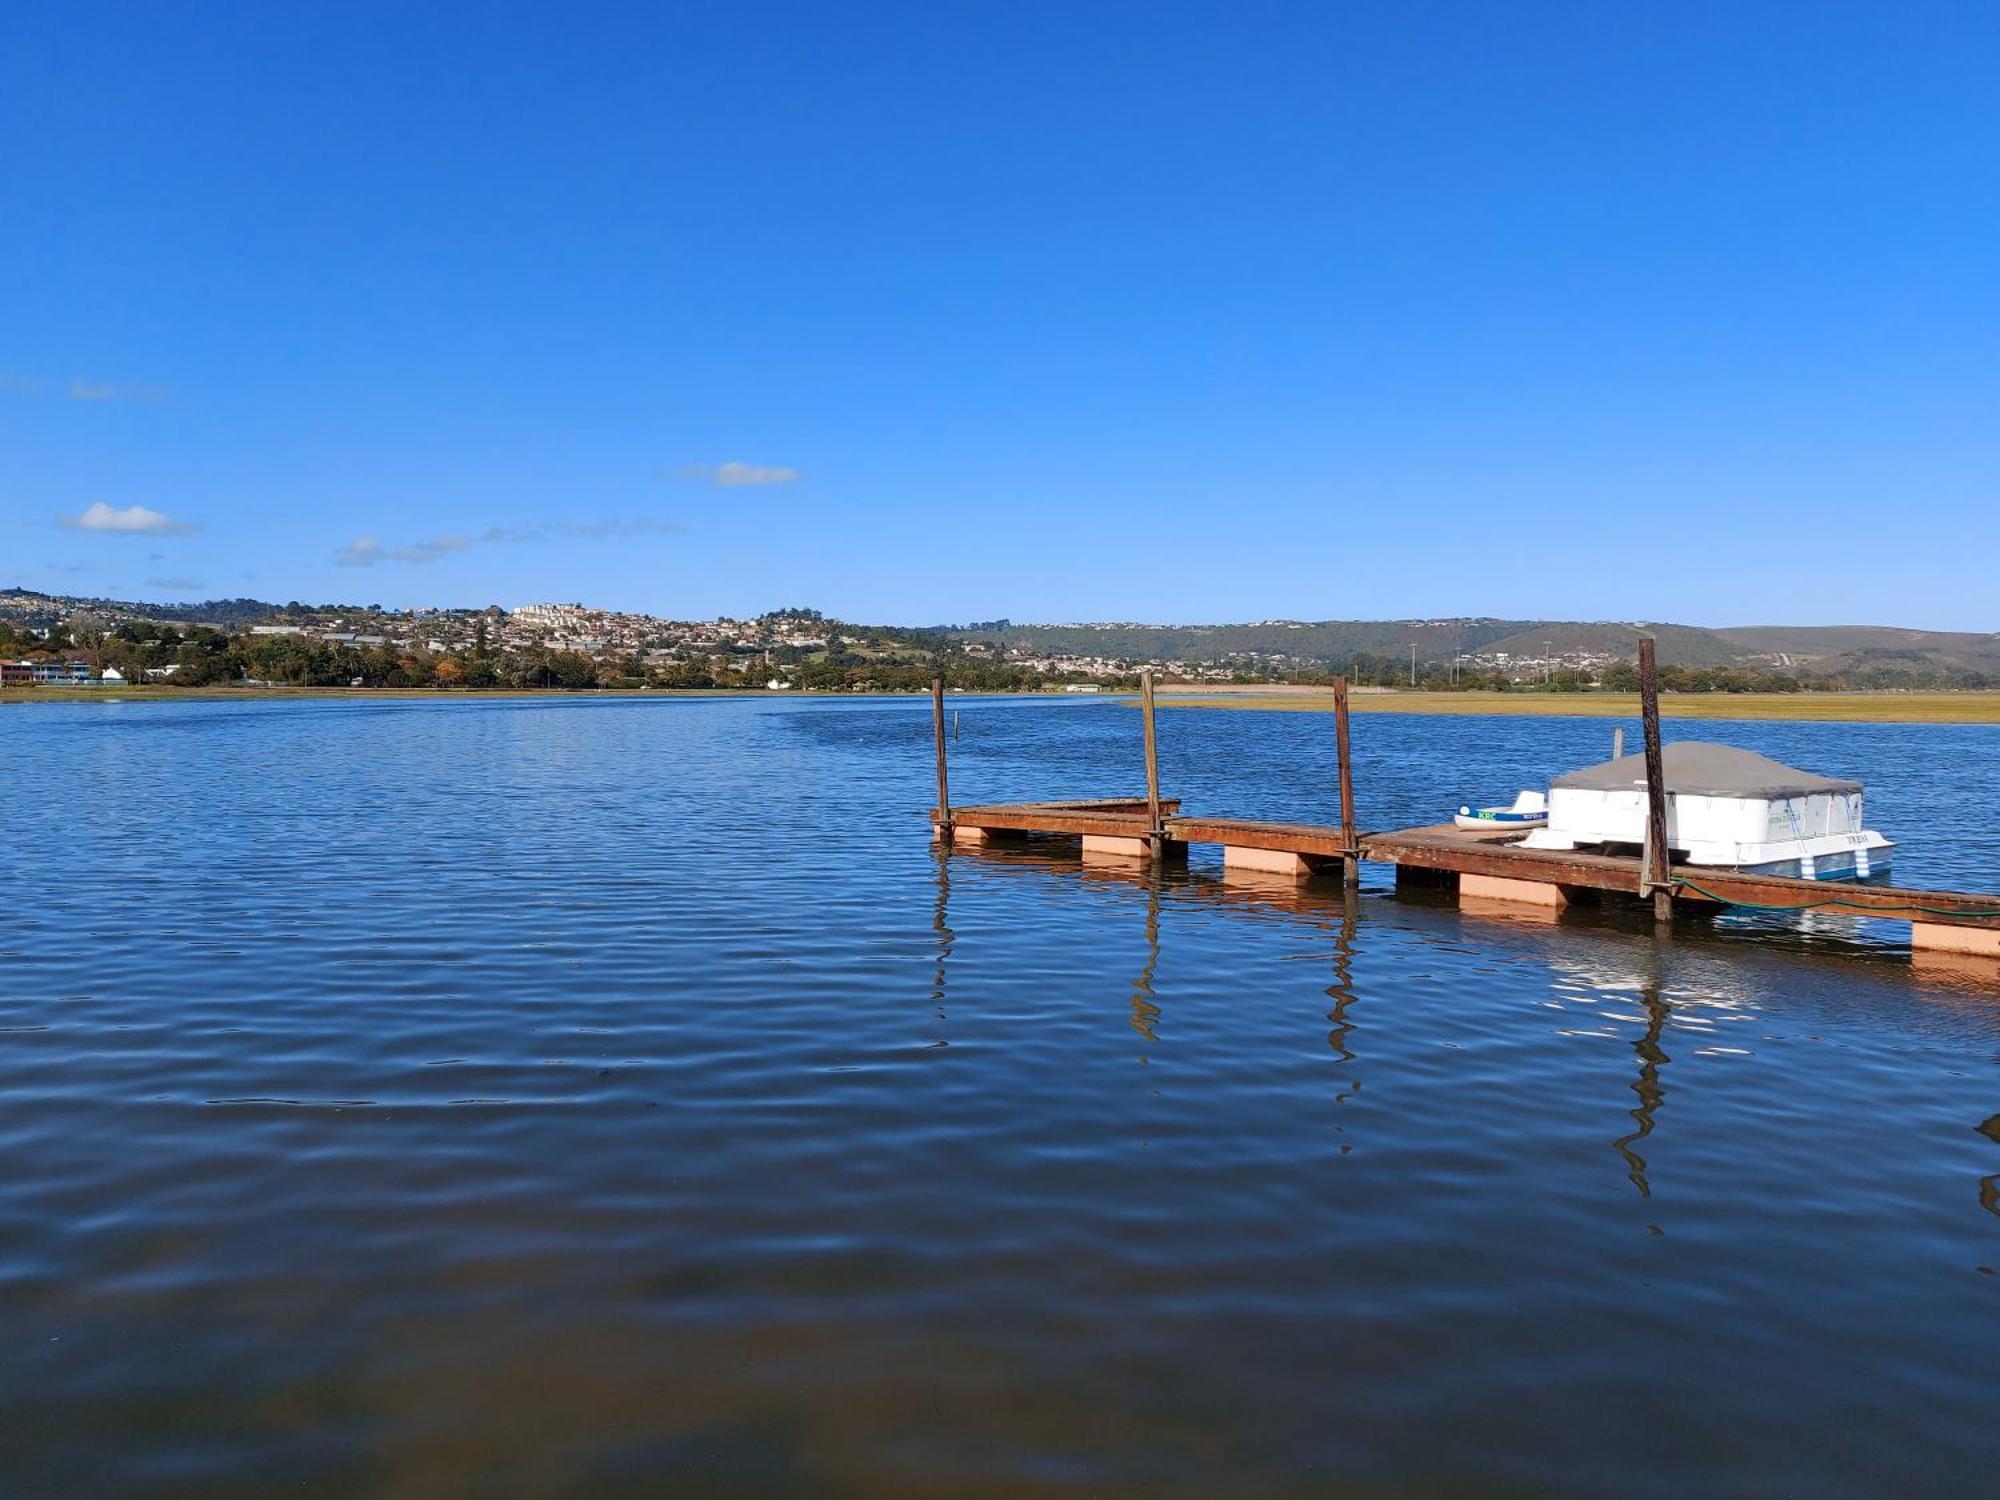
[{"x": 1488, "y": 866}]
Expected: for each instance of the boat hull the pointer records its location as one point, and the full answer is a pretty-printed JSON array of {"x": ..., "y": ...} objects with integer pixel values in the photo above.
[{"x": 1502, "y": 823}]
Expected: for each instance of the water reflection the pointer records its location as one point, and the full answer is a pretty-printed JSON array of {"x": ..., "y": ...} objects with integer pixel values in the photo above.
[
  {"x": 1341, "y": 991},
  {"x": 1652, "y": 1058},
  {"x": 941, "y": 927},
  {"x": 1591, "y": 959},
  {"x": 1989, "y": 1186},
  {"x": 1145, "y": 1009}
]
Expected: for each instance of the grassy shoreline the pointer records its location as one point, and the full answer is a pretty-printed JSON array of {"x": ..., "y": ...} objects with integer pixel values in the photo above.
[{"x": 1855, "y": 708}]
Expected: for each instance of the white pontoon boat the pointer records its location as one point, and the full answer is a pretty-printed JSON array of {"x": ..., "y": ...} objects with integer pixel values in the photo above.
[{"x": 1726, "y": 808}]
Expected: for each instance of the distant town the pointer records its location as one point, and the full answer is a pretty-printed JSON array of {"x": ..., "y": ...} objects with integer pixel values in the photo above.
[{"x": 63, "y": 641}]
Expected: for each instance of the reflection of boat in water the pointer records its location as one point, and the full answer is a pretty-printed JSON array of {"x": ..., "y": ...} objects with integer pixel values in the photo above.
[
  {"x": 1529, "y": 810},
  {"x": 1726, "y": 808}
]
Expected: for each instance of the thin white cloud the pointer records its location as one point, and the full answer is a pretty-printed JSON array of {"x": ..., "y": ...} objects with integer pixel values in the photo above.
[
  {"x": 130, "y": 520},
  {"x": 177, "y": 585},
  {"x": 599, "y": 530},
  {"x": 97, "y": 390},
  {"x": 736, "y": 473},
  {"x": 367, "y": 551}
]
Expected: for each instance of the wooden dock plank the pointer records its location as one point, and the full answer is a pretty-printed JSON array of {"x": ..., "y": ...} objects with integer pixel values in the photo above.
[
  {"x": 1245, "y": 833},
  {"x": 1948, "y": 908},
  {"x": 1107, "y": 817},
  {"x": 1447, "y": 847}
]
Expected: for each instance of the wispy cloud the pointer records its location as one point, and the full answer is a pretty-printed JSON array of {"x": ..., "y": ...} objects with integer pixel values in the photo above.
[
  {"x": 367, "y": 551},
  {"x": 177, "y": 585},
  {"x": 595, "y": 531},
  {"x": 80, "y": 389},
  {"x": 131, "y": 520},
  {"x": 19, "y": 385},
  {"x": 736, "y": 473}
]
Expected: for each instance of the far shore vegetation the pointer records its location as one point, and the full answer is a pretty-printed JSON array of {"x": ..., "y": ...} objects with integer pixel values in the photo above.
[
  {"x": 800, "y": 651},
  {"x": 1888, "y": 707}
]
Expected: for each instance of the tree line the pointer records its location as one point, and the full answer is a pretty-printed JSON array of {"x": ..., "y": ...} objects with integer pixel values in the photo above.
[{"x": 202, "y": 656}]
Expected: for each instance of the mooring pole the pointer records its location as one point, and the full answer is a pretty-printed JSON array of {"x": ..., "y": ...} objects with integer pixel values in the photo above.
[
  {"x": 944, "y": 782},
  {"x": 1618, "y": 743},
  {"x": 1658, "y": 882},
  {"x": 1350, "y": 855},
  {"x": 1156, "y": 835}
]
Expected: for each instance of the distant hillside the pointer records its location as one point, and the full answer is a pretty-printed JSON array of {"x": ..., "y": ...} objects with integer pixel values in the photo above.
[
  {"x": 1317, "y": 641},
  {"x": 1332, "y": 642},
  {"x": 1883, "y": 653},
  {"x": 1679, "y": 645},
  {"x": 47, "y": 609},
  {"x": 1836, "y": 640},
  {"x": 1865, "y": 655}
]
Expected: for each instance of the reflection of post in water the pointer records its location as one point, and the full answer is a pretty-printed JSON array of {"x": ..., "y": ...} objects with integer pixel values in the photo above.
[
  {"x": 1145, "y": 1011},
  {"x": 1989, "y": 1186},
  {"x": 1652, "y": 1058},
  {"x": 941, "y": 925},
  {"x": 1342, "y": 993}
]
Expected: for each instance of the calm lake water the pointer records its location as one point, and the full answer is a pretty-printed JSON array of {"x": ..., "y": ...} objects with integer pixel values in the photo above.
[{"x": 593, "y": 1097}]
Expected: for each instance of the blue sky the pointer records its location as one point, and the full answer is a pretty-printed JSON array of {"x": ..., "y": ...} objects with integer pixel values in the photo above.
[{"x": 945, "y": 311}]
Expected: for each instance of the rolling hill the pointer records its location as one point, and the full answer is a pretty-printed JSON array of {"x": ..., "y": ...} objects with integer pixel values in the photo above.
[{"x": 1880, "y": 654}]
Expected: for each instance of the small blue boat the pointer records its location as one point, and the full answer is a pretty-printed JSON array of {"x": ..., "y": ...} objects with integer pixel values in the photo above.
[{"x": 1529, "y": 810}]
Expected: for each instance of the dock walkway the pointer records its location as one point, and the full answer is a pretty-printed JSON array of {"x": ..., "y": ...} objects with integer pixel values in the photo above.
[{"x": 1489, "y": 865}]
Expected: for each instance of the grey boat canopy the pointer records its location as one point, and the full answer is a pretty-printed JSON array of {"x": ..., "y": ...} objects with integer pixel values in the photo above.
[{"x": 1702, "y": 769}]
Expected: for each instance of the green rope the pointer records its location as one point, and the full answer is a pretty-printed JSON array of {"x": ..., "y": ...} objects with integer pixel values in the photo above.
[{"x": 1862, "y": 906}]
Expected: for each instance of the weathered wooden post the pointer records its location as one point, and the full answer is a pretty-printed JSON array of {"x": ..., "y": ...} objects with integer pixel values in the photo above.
[
  {"x": 1350, "y": 855},
  {"x": 1654, "y": 875},
  {"x": 1155, "y": 833},
  {"x": 1618, "y": 743},
  {"x": 944, "y": 782}
]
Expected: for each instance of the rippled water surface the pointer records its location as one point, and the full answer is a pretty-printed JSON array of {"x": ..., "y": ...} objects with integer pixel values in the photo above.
[{"x": 592, "y": 1097}]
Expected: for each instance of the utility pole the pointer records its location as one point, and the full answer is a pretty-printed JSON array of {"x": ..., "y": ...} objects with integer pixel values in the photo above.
[{"x": 1413, "y": 663}]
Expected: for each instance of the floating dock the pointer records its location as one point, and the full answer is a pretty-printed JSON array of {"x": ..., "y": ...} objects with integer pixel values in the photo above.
[
  {"x": 1488, "y": 866},
  {"x": 1475, "y": 864}
]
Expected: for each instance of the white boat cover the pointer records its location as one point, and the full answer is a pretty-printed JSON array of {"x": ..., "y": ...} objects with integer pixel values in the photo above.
[{"x": 1698, "y": 768}]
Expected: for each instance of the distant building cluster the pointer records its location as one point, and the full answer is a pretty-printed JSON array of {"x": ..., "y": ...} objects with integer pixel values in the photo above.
[
  {"x": 556, "y": 627},
  {"x": 57, "y": 674}
]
